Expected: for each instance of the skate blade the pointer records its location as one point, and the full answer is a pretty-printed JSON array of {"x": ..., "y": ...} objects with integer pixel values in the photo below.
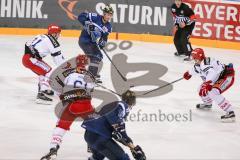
[
  {"x": 230, "y": 120},
  {"x": 40, "y": 101},
  {"x": 205, "y": 108}
]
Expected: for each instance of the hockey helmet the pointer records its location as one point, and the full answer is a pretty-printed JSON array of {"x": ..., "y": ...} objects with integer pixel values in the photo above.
[
  {"x": 198, "y": 54},
  {"x": 129, "y": 97},
  {"x": 53, "y": 28},
  {"x": 81, "y": 62},
  {"x": 108, "y": 9}
]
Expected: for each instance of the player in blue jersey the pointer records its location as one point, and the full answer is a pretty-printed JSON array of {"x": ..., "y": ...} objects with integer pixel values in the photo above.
[
  {"x": 102, "y": 133},
  {"x": 94, "y": 36}
]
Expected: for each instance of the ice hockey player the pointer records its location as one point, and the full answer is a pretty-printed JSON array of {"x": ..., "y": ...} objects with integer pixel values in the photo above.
[
  {"x": 102, "y": 133},
  {"x": 35, "y": 51},
  {"x": 78, "y": 102},
  {"x": 184, "y": 23},
  {"x": 217, "y": 78},
  {"x": 94, "y": 36}
]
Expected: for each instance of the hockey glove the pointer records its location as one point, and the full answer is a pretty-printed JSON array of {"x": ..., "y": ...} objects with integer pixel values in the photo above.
[
  {"x": 102, "y": 43},
  {"x": 187, "y": 76},
  {"x": 117, "y": 136},
  {"x": 138, "y": 153},
  {"x": 206, "y": 87},
  {"x": 120, "y": 135},
  {"x": 89, "y": 26}
]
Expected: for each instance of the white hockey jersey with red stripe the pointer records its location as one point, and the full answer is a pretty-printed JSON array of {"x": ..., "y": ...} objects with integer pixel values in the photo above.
[
  {"x": 77, "y": 80},
  {"x": 209, "y": 69},
  {"x": 43, "y": 45}
]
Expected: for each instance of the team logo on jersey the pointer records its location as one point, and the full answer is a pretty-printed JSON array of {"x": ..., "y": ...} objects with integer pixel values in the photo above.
[{"x": 182, "y": 11}]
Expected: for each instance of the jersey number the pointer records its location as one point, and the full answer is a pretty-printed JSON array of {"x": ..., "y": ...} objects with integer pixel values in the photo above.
[
  {"x": 35, "y": 42},
  {"x": 77, "y": 84}
]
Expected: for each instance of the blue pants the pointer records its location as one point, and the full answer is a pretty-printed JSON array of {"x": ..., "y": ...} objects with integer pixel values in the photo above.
[
  {"x": 91, "y": 50},
  {"x": 94, "y": 54},
  {"x": 102, "y": 147}
]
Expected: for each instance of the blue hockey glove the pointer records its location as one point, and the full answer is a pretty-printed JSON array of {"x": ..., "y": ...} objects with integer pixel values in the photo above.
[
  {"x": 102, "y": 43},
  {"x": 138, "y": 153},
  {"x": 120, "y": 135},
  {"x": 89, "y": 26}
]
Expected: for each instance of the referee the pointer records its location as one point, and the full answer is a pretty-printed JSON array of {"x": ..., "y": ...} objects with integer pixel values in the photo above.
[{"x": 184, "y": 23}]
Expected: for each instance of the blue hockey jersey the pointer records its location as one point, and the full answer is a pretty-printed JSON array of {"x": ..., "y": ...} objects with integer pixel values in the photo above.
[
  {"x": 103, "y": 125},
  {"x": 101, "y": 29}
]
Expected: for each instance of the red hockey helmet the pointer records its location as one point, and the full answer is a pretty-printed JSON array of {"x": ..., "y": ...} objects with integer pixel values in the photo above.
[
  {"x": 198, "y": 54},
  {"x": 53, "y": 28},
  {"x": 81, "y": 62}
]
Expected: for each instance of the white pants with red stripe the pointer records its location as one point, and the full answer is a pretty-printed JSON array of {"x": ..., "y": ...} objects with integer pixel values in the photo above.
[
  {"x": 215, "y": 94},
  {"x": 44, "y": 82}
]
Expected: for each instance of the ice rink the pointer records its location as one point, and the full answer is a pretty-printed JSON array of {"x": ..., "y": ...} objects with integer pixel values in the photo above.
[{"x": 26, "y": 127}]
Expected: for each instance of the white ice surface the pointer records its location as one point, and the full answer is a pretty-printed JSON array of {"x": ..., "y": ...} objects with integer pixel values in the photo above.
[{"x": 25, "y": 127}]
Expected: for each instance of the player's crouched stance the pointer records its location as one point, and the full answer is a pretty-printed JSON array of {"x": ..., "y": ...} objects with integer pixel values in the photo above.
[
  {"x": 78, "y": 102},
  {"x": 35, "y": 51},
  {"x": 102, "y": 133},
  {"x": 217, "y": 78}
]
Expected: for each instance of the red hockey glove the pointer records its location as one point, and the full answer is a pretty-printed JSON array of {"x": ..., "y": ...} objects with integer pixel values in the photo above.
[
  {"x": 206, "y": 87},
  {"x": 187, "y": 76}
]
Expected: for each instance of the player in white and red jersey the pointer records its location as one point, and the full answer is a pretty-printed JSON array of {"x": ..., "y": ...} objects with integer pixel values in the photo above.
[
  {"x": 35, "y": 51},
  {"x": 217, "y": 78},
  {"x": 77, "y": 98}
]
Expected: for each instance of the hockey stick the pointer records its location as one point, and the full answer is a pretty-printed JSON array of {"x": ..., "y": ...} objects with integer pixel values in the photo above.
[
  {"x": 124, "y": 78},
  {"x": 108, "y": 89},
  {"x": 162, "y": 86}
]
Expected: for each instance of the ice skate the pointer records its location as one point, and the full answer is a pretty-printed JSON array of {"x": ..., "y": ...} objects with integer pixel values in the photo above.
[
  {"x": 52, "y": 155},
  {"x": 229, "y": 117},
  {"x": 179, "y": 54},
  {"x": 43, "y": 99},
  {"x": 187, "y": 58},
  {"x": 48, "y": 92},
  {"x": 204, "y": 106}
]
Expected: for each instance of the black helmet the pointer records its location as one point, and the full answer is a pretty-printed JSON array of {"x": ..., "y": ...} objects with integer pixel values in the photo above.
[
  {"x": 129, "y": 97},
  {"x": 108, "y": 9}
]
